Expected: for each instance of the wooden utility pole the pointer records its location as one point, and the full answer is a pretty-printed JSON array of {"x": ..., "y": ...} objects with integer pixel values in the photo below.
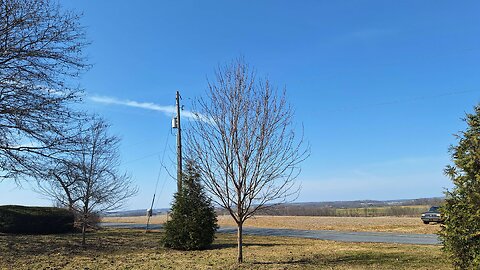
[
  {"x": 175, "y": 124},
  {"x": 179, "y": 145}
]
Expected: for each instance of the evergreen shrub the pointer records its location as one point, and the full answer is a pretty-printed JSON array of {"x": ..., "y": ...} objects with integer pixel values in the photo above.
[
  {"x": 18, "y": 219},
  {"x": 193, "y": 219}
]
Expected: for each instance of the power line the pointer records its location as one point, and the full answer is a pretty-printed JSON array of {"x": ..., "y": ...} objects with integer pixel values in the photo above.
[
  {"x": 149, "y": 214},
  {"x": 142, "y": 158},
  {"x": 407, "y": 100}
]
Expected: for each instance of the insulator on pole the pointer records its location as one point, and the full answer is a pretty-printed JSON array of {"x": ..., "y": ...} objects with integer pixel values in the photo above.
[{"x": 174, "y": 122}]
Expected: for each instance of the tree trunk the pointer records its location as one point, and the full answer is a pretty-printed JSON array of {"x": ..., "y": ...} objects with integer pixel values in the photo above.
[
  {"x": 84, "y": 229},
  {"x": 240, "y": 242}
]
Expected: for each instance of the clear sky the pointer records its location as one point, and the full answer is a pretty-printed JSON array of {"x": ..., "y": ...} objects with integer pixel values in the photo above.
[{"x": 380, "y": 86}]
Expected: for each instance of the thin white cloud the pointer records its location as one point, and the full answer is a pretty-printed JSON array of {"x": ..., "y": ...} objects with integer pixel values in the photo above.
[
  {"x": 167, "y": 110},
  {"x": 130, "y": 103}
]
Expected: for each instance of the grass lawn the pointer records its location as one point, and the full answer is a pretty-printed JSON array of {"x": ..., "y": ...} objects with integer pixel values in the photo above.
[
  {"x": 354, "y": 224},
  {"x": 131, "y": 249}
]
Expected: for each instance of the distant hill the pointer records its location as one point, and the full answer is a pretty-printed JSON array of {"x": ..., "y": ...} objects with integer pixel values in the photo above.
[
  {"x": 360, "y": 208},
  {"x": 371, "y": 203},
  {"x": 332, "y": 208}
]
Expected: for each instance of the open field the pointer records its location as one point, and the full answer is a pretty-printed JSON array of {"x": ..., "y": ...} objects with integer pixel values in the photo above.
[
  {"x": 411, "y": 210},
  {"x": 348, "y": 209},
  {"x": 355, "y": 224},
  {"x": 130, "y": 249}
]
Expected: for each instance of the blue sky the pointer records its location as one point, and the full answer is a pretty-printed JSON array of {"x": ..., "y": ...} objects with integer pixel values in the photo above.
[{"x": 380, "y": 86}]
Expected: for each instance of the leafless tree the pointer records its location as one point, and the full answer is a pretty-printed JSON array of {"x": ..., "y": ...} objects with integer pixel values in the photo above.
[
  {"x": 245, "y": 144},
  {"x": 63, "y": 183},
  {"x": 40, "y": 52},
  {"x": 88, "y": 180}
]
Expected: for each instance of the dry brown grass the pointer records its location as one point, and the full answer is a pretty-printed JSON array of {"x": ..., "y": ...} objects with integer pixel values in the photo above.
[
  {"x": 356, "y": 224},
  {"x": 131, "y": 249},
  {"x": 160, "y": 219}
]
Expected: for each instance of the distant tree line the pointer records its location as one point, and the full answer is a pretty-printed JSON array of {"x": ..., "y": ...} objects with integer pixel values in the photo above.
[
  {"x": 426, "y": 201},
  {"x": 406, "y": 208},
  {"x": 399, "y": 211}
]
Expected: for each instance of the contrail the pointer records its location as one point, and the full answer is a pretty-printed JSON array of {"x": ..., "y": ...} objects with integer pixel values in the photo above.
[{"x": 167, "y": 110}]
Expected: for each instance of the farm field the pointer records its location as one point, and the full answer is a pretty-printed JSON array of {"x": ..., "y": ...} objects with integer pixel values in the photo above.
[
  {"x": 133, "y": 249},
  {"x": 410, "y": 210},
  {"x": 356, "y": 224}
]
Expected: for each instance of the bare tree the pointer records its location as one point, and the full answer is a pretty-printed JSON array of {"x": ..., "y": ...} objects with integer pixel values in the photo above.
[
  {"x": 63, "y": 183},
  {"x": 88, "y": 180},
  {"x": 245, "y": 144},
  {"x": 40, "y": 51}
]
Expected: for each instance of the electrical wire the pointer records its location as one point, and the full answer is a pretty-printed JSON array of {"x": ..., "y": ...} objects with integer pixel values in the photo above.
[
  {"x": 158, "y": 177},
  {"x": 405, "y": 100}
]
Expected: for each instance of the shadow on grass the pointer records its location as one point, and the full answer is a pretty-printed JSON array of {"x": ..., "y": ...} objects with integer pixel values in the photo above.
[
  {"x": 299, "y": 261},
  {"x": 394, "y": 260},
  {"x": 230, "y": 241},
  {"x": 234, "y": 245},
  {"x": 100, "y": 242},
  {"x": 373, "y": 258}
]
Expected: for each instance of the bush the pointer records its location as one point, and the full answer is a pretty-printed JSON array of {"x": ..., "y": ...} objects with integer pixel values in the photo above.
[
  {"x": 92, "y": 221},
  {"x": 194, "y": 221},
  {"x": 461, "y": 232},
  {"x": 35, "y": 220}
]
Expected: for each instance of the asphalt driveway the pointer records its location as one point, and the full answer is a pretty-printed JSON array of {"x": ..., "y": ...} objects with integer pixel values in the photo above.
[{"x": 375, "y": 237}]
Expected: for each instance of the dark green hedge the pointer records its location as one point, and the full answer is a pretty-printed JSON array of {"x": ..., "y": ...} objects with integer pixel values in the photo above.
[{"x": 35, "y": 220}]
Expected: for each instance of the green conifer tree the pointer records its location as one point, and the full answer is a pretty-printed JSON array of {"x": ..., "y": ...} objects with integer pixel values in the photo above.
[
  {"x": 193, "y": 220},
  {"x": 460, "y": 233}
]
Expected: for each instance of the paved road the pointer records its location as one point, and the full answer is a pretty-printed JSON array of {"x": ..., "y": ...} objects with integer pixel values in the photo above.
[{"x": 376, "y": 237}]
